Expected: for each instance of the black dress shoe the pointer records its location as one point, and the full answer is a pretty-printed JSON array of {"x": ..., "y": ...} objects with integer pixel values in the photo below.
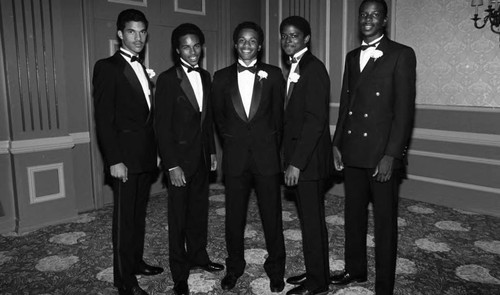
[
  {"x": 277, "y": 285},
  {"x": 135, "y": 290},
  {"x": 297, "y": 280},
  {"x": 147, "y": 270},
  {"x": 210, "y": 267},
  {"x": 345, "y": 278},
  {"x": 181, "y": 288},
  {"x": 301, "y": 290},
  {"x": 229, "y": 281}
]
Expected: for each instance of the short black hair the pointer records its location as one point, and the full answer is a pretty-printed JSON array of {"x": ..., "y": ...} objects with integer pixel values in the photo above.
[
  {"x": 130, "y": 15},
  {"x": 248, "y": 25},
  {"x": 381, "y": 2},
  {"x": 183, "y": 30},
  {"x": 297, "y": 21}
]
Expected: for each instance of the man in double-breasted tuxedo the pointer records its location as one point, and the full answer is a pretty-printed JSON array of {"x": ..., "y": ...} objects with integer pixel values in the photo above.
[
  {"x": 307, "y": 150},
  {"x": 124, "y": 125},
  {"x": 373, "y": 129},
  {"x": 184, "y": 128},
  {"x": 248, "y": 111}
]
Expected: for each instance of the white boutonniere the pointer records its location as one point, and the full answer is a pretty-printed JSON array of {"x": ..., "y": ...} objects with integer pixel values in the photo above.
[
  {"x": 262, "y": 75},
  {"x": 294, "y": 77},
  {"x": 151, "y": 73},
  {"x": 376, "y": 54}
]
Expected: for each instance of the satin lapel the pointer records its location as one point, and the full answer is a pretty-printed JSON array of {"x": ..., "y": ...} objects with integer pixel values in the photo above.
[
  {"x": 235, "y": 94},
  {"x": 151, "y": 98},
  {"x": 186, "y": 87},
  {"x": 256, "y": 95},
  {"x": 292, "y": 85},
  {"x": 206, "y": 90},
  {"x": 134, "y": 82}
]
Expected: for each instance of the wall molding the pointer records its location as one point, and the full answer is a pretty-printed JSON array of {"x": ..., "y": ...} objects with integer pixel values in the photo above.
[
  {"x": 475, "y": 160},
  {"x": 80, "y": 137},
  {"x": 41, "y": 144},
  {"x": 4, "y": 147},
  {"x": 32, "y": 183},
  {"x": 457, "y": 137},
  {"x": 463, "y": 185},
  {"x": 445, "y": 108}
]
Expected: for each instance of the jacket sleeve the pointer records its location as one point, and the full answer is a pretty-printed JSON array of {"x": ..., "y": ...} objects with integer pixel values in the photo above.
[
  {"x": 104, "y": 82},
  {"x": 343, "y": 108}
]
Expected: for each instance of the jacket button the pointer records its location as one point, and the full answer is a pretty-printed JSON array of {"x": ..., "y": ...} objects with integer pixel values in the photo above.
[
  {"x": 365, "y": 115},
  {"x": 350, "y": 113},
  {"x": 377, "y": 93},
  {"x": 365, "y": 134},
  {"x": 349, "y": 131}
]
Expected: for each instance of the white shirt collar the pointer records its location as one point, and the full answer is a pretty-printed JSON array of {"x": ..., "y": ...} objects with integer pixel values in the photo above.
[
  {"x": 374, "y": 41},
  {"x": 241, "y": 62},
  {"x": 300, "y": 53}
]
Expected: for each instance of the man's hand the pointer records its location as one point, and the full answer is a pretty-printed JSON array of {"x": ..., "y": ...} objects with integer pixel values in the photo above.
[
  {"x": 177, "y": 177},
  {"x": 119, "y": 171},
  {"x": 213, "y": 162},
  {"x": 337, "y": 159},
  {"x": 292, "y": 175},
  {"x": 383, "y": 171}
]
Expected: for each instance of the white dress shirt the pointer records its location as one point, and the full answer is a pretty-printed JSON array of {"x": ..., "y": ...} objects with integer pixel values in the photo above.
[
  {"x": 140, "y": 73},
  {"x": 246, "y": 80},
  {"x": 365, "y": 55},
  {"x": 294, "y": 65},
  {"x": 195, "y": 81}
]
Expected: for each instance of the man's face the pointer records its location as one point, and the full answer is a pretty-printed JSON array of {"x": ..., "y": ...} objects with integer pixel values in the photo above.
[
  {"x": 190, "y": 49},
  {"x": 293, "y": 40},
  {"x": 247, "y": 45},
  {"x": 133, "y": 36},
  {"x": 372, "y": 21}
]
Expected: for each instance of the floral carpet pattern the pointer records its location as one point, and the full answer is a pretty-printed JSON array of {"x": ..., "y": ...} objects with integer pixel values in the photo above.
[{"x": 441, "y": 251}]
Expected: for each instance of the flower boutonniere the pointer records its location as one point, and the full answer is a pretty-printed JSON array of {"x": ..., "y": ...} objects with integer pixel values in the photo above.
[
  {"x": 151, "y": 73},
  {"x": 376, "y": 54},
  {"x": 294, "y": 77},
  {"x": 262, "y": 75}
]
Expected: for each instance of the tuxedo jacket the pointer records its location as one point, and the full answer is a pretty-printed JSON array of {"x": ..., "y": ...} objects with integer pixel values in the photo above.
[
  {"x": 307, "y": 141},
  {"x": 377, "y": 106},
  {"x": 260, "y": 132},
  {"x": 124, "y": 122},
  {"x": 184, "y": 129}
]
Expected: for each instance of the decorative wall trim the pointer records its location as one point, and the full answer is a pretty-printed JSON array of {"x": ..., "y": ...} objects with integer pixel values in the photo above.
[
  {"x": 266, "y": 33},
  {"x": 143, "y": 3},
  {"x": 41, "y": 144},
  {"x": 327, "y": 33},
  {"x": 190, "y": 11},
  {"x": 80, "y": 137},
  {"x": 458, "y": 108},
  {"x": 474, "y": 160},
  {"x": 457, "y": 137},
  {"x": 32, "y": 183},
  {"x": 4, "y": 147},
  {"x": 455, "y": 184}
]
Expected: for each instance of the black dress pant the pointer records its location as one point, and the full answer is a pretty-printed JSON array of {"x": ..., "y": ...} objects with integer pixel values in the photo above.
[
  {"x": 360, "y": 189},
  {"x": 310, "y": 196},
  {"x": 129, "y": 223},
  {"x": 187, "y": 224},
  {"x": 267, "y": 189}
]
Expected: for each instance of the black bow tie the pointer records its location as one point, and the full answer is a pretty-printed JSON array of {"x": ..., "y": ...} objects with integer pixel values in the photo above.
[
  {"x": 364, "y": 47},
  {"x": 190, "y": 69},
  {"x": 292, "y": 60},
  {"x": 132, "y": 58},
  {"x": 251, "y": 69}
]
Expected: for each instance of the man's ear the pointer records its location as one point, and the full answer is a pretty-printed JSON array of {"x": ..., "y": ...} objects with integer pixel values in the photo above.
[
  {"x": 120, "y": 34},
  {"x": 307, "y": 38}
]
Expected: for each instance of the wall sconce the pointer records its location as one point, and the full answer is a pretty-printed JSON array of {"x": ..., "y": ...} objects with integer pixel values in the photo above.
[{"x": 493, "y": 15}]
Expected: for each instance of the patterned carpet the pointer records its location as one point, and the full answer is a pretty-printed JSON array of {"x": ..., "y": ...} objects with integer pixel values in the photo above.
[{"x": 441, "y": 251}]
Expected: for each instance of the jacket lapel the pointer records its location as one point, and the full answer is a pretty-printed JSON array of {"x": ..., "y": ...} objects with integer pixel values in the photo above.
[
  {"x": 235, "y": 94},
  {"x": 186, "y": 87},
  {"x": 256, "y": 95},
  {"x": 206, "y": 90}
]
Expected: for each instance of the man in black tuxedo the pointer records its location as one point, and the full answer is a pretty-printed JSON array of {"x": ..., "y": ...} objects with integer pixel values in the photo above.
[
  {"x": 376, "y": 113},
  {"x": 307, "y": 150},
  {"x": 124, "y": 125},
  {"x": 248, "y": 111},
  {"x": 184, "y": 128}
]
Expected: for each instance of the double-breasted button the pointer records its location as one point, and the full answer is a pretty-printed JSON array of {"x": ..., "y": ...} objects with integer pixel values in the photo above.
[
  {"x": 349, "y": 131},
  {"x": 350, "y": 113},
  {"x": 377, "y": 93},
  {"x": 365, "y": 134},
  {"x": 365, "y": 115}
]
